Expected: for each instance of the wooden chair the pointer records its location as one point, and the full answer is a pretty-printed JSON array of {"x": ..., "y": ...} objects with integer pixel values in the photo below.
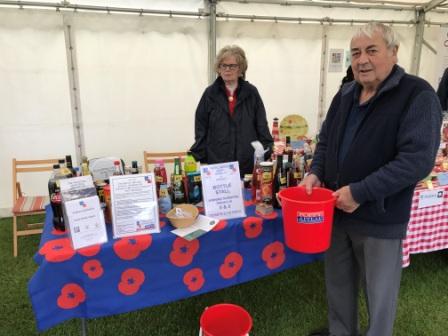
[
  {"x": 150, "y": 158},
  {"x": 26, "y": 205}
]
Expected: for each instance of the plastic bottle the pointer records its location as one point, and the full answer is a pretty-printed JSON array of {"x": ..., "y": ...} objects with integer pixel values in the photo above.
[
  {"x": 190, "y": 165},
  {"x": 165, "y": 203},
  {"x": 117, "y": 168},
  {"x": 162, "y": 171},
  {"x": 85, "y": 167}
]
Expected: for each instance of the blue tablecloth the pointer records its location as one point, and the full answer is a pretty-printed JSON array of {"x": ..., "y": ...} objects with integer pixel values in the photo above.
[{"x": 126, "y": 274}]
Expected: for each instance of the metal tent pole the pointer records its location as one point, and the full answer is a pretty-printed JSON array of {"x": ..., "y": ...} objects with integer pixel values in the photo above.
[
  {"x": 211, "y": 40},
  {"x": 323, "y": 77},
  {"x": 418, "y": 42},
  {"x": 72, "y": 67}
]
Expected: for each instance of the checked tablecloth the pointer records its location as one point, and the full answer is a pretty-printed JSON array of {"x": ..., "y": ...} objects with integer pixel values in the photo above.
[{"x": 428, "y": 227}]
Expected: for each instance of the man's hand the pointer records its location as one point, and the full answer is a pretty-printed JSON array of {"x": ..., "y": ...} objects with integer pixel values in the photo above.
[
  {"x": 309, "y": 182},
  {"x": 344, "y": 200}
]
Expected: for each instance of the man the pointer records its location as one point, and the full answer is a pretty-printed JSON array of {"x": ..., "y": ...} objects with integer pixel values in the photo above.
[{"x": 380, "y": 137}]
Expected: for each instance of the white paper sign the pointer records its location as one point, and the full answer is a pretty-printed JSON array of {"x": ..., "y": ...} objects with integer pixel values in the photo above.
[
  {"x": 202, "y": 225},
  {"x": 85, "y": 222},
  {"x": 77, "y": 187},
  {"x": 222, "y": 191},
  {"x": 429, "y": 198},
  {"x": 336, "y": 59},
  {"x": 134, "y": 205}
]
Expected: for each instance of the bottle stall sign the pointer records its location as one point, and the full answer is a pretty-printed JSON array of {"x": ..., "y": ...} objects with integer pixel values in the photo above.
[
  {"x": 134, "y": 205},
  {"x": 222, "y": 191}
]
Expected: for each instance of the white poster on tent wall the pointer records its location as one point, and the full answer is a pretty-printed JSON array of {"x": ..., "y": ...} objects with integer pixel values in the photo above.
[
  {"x": 442, "y": 52},
  {"x": 336, "y": 58}
]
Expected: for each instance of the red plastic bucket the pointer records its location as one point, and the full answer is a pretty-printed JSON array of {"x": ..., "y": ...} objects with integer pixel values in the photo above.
[
  {"x": 307, "y": 219},
  {"x": 225, "y": 319}
]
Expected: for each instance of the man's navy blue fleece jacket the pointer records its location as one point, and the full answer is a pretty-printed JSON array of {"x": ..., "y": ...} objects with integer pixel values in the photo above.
[{"x": 381, "y": 149}]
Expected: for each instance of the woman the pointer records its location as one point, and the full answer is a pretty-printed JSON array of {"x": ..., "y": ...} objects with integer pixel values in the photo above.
[{"x": 230, "y": 115}]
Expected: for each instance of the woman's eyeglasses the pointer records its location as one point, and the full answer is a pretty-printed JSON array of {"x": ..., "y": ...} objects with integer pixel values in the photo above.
[{"x": 228, "y": 66}]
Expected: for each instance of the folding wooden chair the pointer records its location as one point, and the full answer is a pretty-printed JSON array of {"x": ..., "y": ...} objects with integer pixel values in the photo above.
[
  {"x": 149, "y": 159},
  {"x": 26, "y": 205}
]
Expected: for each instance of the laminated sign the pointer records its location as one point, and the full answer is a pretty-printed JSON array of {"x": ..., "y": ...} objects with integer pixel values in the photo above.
[
  {"x": 429, "y": 198},
  {"x": 222, "y": 191}
]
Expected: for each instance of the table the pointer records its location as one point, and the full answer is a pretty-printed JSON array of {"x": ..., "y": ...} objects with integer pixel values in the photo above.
[
  {"x": 427, "y": 228},
  {"x": 127, "y": 274}
]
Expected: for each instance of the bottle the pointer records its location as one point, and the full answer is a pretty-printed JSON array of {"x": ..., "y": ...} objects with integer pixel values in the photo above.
[
  {"x": 288, "y": 169},
  {"x": 63, "y": 169},
  {"x": 158, "y": 176},
  {"x": 279, "y": 181},
  {"x": 295, "y": 174},
  {"x": 55, "y": 198},
  {"x": 165, "y": 204},
  {"x": 190, "y": 165},
  {"x": 117, "y": 168},
  {"x": 275, "y": 132},
  {"x": 177, "y": 183},
  {"x": 288, "y": 146},
  {"x": 56, "y": 206},
  {"x": 134, "y": 167},
  {"x": 68, "y": 160},
  {"x": 85, "y": 167},
  {"x": 256, "y": 179},
  {"x": 163, "y": 171},
  {"x": 266, "y": 183},
  {"x": 108, "y": 204}
]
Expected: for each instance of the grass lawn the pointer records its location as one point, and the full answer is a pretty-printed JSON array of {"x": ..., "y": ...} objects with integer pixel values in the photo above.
[{"x": 289, "y": 303}]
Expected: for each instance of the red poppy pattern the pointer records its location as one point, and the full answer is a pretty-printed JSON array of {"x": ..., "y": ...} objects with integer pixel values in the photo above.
[
  {"x": 72, "y": 295},
  {"x": 222, "y": 224},
  {"x": 253, "y": 227},
  {"x": 194, "y": 279},
  {"x": 231, "y": 266},
  {"x": 57, "y": 250},
  {"x": 90, "y": 251},
  {"x": 131, "y": 281},
  {"x": 183, "y": 251},
  {"x": 248, "y": 203},
  {"x": 129, "y": 248},
  {"x": 93, "y": 268},
  {"x": 274, "y": 255}
]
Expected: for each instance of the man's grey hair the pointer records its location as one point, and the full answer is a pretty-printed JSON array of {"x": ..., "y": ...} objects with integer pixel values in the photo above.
[{"x": 386, "y": 32}]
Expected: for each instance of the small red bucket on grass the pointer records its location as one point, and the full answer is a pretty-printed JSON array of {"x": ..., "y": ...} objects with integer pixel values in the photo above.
[
  {"x": 225, "y": 319},
  {"x": 307, "y": 219}
]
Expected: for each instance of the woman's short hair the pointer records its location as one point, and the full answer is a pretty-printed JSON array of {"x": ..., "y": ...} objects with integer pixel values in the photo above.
[
  {"x": 237, "y": 52},
  {"x": 386, "y": 32}
]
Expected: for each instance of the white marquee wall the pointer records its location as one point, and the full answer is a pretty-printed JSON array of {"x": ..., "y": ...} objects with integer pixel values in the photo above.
[{"x": 140, "y": 77}]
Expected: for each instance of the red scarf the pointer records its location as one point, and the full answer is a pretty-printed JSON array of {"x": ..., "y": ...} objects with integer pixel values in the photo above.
[{"x": 231, "y": 100}]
